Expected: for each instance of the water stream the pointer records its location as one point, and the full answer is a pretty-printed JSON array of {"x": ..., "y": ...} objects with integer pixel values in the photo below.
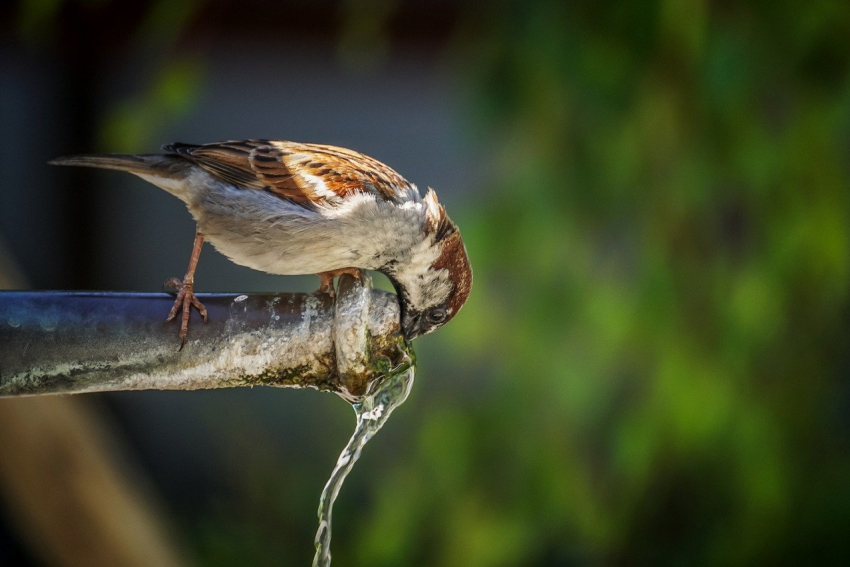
[{"x": 372, "y": 413}]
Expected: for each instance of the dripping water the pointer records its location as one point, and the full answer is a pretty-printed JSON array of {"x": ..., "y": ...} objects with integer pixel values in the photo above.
[{"x": 372, "y": 412}]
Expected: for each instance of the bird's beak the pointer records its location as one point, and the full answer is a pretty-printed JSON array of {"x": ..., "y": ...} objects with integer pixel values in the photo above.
[{"x": 410, "y": 325}]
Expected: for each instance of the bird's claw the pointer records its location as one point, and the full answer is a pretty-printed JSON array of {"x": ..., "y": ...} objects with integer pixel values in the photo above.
[
  {"x": 184, "y": 301},
  {"x": 326, "y": 284}
]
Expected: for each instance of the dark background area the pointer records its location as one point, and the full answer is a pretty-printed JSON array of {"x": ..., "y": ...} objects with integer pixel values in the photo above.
[{"x": 652, "y": 367}]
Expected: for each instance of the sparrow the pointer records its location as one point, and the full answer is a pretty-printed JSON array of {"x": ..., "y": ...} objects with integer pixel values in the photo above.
[{"x": 296, "y": 208}]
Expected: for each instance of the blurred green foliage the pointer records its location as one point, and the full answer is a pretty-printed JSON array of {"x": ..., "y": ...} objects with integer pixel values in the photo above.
[
  {"x": 658, "y": 329},
  {"x": 652, "y": 366},
  {"x": 134, "y": 124},
  {"x": 363, "y": 44},
  {"x": 164, "y": 89}
]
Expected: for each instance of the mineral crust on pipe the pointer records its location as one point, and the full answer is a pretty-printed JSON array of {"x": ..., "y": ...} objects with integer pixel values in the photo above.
[{"x": 75, "y": 342}]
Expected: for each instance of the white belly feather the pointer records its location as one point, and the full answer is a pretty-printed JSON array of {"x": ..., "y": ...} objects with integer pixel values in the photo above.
[{"x": 259, "y": 230}]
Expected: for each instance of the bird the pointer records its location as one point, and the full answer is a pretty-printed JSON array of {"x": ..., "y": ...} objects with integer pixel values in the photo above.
[{"x": 301, "y": 208}]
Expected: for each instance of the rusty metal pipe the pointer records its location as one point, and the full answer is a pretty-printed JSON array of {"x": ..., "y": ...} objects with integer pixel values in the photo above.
[{"x": 75, "y": 342}]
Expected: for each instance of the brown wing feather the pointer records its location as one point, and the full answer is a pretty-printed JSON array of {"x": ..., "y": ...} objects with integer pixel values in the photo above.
[
  {"x": 303, "y": 173},
  {"x": 226, "y": 160}
]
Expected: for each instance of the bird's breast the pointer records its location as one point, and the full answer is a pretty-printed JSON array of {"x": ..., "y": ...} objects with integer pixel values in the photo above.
[{"x": 260, "y": 230}]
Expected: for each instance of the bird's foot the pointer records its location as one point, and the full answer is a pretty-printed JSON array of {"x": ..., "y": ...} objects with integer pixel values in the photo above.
[
  {"x": 185, "y": 300},
  {"x": 326, "y": 285}
]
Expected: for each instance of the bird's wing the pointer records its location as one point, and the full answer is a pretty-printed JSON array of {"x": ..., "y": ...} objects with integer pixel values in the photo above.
[{"x": 308, "y": 174}]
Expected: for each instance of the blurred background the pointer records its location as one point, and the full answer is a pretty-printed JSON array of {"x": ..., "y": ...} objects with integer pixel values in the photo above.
[{"x": 652, "y": 368}]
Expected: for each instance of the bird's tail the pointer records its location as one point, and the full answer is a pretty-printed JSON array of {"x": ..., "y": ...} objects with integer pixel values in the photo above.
[
  {"x": 155, "y": 165},
  {"x": 167, "y": 172}
]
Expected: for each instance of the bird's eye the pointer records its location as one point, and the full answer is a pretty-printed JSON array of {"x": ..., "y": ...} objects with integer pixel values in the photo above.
[{"x": 436, "y": 316}]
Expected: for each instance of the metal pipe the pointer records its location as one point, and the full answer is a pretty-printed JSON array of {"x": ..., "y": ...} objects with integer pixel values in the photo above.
[{"x": 74, "y": 342}]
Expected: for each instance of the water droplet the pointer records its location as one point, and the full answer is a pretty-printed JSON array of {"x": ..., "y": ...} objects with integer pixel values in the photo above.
[{"x": 48, "y": 322}]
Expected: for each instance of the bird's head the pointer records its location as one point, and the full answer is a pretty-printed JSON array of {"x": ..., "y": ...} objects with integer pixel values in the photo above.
[{"x": 434, "y": 282}]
